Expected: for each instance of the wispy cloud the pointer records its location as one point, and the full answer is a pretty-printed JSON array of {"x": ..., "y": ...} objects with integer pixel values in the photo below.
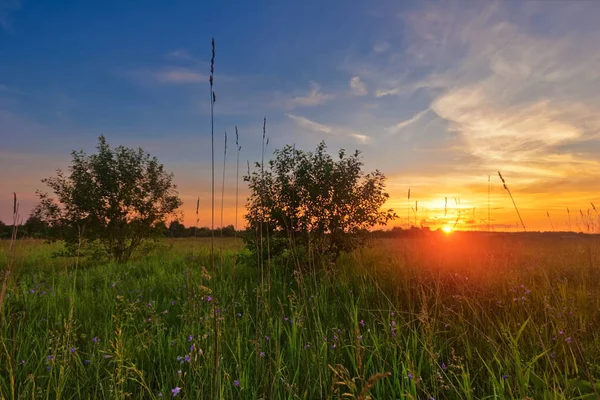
[
  {"x": 358, "y": 87},
  {"x": 180, "y": 75},
  {"x": 395, "y": 129},
  {"x": 168, "y": 75},
  {"x": 360, "y": 138},
  {"x": 336, "y": 131},
  {"x": 313, "y": 98},
  {"x": 306, "y": 123}
]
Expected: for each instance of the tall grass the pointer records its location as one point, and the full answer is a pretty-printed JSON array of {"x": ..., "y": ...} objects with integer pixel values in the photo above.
[
  {"x": 215, "y": 325},
  {"x": 481, "y": 316},
  {"x": 513, "y": 201}
]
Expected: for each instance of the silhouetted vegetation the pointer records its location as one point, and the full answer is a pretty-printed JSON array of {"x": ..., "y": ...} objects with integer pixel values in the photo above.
[
  {"x": 116, "y": 198},
  {"x": 310, "y": 203}
]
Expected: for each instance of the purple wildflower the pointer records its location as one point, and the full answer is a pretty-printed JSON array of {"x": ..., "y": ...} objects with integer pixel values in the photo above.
[
  {"x": 443, "y": 366},
  {"x": 73, "y": 349},
  {"x": 267, "y": 338},
  {"x": 236, "y": 383},
  {"x": 22, "y": 362},
  {"x": 190, "y": 338},
  {"x": 95, "y": 339},
  {"x": 568, "y": 340},
  {"x": 187, "y": 358},
  {"x": 505, "y": 377},
  {"x": 410, "y": 376},
  {"x": 262, "y": 354},
  {"x": 176, "y": 391},
  {"x": 239, "y": 314},
  {"x": 51, "y": 357},
  {"x": 86, "y": 361},
  {"x": 362, "y": 323},
  {"x": 208, "y": 299}
]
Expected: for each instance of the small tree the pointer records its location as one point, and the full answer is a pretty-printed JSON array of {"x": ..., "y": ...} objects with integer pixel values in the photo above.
[
  {"x": 117, "y": 198},
  {"x": 313, "y": 200}
]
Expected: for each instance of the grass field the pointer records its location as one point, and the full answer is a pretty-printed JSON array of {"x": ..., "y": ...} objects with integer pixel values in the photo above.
[{"x": 462, "y": 316}]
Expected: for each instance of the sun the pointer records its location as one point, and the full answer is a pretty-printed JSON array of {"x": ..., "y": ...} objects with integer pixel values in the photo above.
[{"x": 447, "y": 229}]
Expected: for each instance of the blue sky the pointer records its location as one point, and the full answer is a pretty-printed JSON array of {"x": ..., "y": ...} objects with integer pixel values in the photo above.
[{"x": 438, "y": 95}]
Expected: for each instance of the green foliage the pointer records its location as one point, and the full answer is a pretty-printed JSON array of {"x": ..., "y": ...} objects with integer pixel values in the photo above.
[
  {"x": 481, "y": 317},
  {"x": 315, "y": 201},
  {"x": 117, "y": 198}
]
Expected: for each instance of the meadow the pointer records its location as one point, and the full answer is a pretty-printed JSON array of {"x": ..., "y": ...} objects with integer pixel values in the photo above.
[{"x": 458, "y": 316}]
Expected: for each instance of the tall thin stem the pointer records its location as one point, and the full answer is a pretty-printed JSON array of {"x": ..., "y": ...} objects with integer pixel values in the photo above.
[
  {"x": 408, "y": 210},
  {"x": 513, "y": 201},
  {"x": 197, "y": 217},
  {"x": 237, "y": 179},
  {"x": 223, "y": 182},
  {"x": 212, "y": 240},
  {"x": 489, "y": 191},
  {"x": 212, "y": 156}
]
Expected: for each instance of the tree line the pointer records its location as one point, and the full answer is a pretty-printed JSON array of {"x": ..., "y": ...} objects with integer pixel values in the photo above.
[{"x": 35, "y": 228}]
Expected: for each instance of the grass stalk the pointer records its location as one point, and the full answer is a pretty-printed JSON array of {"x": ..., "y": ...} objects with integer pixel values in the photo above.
[
  {"x": 513, "y": 201},
  {"x": 213, "y": 98}
]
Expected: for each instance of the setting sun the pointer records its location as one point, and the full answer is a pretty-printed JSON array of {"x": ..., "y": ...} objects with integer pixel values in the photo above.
[{"x": 447, "y": 229}]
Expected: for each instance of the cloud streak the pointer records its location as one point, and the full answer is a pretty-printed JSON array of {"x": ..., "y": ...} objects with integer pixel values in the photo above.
[
  {"x": 313, "y": 98},
  {"x": 307, "y": 124}
]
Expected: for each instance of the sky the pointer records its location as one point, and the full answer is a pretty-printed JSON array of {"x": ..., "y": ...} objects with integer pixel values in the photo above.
[{"x": 438, "y": 95}]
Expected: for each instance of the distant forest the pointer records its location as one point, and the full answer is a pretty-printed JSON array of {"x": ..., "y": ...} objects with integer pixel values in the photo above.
[{"x": 34, "y": 228}]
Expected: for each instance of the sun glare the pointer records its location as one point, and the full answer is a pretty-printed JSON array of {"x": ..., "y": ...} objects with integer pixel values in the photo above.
[{"x": 447, "y": 229}]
